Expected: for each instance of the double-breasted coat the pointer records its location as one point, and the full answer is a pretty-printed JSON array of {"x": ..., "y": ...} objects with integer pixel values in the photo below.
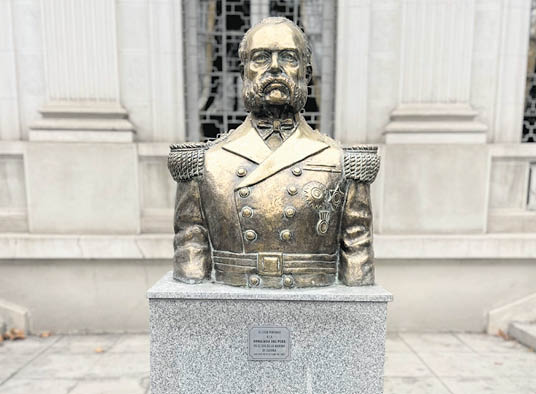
[{"x": 297, "y": 216}]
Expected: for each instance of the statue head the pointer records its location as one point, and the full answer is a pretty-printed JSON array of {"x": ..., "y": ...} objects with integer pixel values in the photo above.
[{"x": 275, "y": 57}]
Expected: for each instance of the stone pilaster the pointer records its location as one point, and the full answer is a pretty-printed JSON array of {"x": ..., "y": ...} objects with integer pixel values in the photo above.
[
  {"x": 9, "y": 100},
  {"x": 81, "y": 73},
  {"x": 435, "y": 75},
  {"x": 353, "y": 42},
  {"x": 512, "y": 66}
]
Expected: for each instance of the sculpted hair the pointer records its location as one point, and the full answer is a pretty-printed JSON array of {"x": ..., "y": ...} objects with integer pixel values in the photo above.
[{"x": 274, "y": 20}]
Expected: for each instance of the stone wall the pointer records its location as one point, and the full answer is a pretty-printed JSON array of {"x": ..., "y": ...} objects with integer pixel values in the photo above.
[{"x": 86, "y": 201}]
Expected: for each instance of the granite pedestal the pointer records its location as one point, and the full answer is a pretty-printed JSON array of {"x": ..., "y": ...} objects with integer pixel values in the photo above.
[{"x": 201, "y": 339}]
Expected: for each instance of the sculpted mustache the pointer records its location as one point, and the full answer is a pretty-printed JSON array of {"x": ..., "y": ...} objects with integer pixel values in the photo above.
[{"x": 265, "y": 82}]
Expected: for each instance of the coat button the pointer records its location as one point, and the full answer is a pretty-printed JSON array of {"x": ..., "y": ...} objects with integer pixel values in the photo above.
[
  {"x": 290, "y": 212},
  {"x": 288, "y": 281},
  {"x": 297, "y": 171},
  {"x": 285, "y": 235},
  {"x": 247, "y": 212},
  {"x": 241, "y": 172},
  {"x": 244, "y": 192},
  {"x": 254, "y": 280},
  {"x": 250, "y": 235},
  {"x": 292, "y": 190}
]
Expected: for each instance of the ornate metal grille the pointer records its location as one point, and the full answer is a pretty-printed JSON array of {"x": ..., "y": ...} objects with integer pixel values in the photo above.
[
  {"x": 529, "y": 120},
  {"x": 213, "y": 31}
]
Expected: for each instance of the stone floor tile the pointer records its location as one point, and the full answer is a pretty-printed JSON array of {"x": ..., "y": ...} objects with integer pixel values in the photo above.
[
  {"x": 430, "y": 385},
  {"x": 84, "y": 344},
  {"x": 525, "y": 385},
  {"x": 395, "y": 344},
  {"x": 60, "y": 366},
  {"x": 12, "y": 363},
  {"x": 519, "y": 364},
  {"x": 41, "y": 386},
  {"x": 477, "y": 385},
  {"x": 405, "y": 365},
  {"x": 116, "y": 365},
  {"x": 31, "y": 345},
  {"x": 435, "y": 342},
  {"x": 445, "y": 364},
  {"x": 131, "y": 344},
  {"x": 482, "y": 343},
  {"x": 111, "y": 386}
]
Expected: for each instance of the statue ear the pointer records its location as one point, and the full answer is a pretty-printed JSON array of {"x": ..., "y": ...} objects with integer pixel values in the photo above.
[
  {"x": 242, "y": 71},
  {"x": 308, "y": 73}
]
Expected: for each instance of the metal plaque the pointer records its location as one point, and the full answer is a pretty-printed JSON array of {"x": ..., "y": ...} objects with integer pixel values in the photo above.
[{"x": 269, "y": 343}]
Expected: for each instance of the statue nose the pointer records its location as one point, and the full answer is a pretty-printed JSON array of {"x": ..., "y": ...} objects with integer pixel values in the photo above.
[{"x": 274, "y": 64}]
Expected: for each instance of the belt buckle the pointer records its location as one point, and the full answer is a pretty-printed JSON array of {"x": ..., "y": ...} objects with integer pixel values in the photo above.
[{"x": 270, "y": 264}]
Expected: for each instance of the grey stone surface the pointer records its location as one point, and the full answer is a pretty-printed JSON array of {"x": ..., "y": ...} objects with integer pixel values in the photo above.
[
  {"x": 199, "y": 339},
  {"x": 524, "y": 333},
  {"x": 169, "y": 288}
]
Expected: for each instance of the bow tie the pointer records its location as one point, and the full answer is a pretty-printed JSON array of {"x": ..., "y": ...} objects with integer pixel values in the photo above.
[{"x": 267, "y": 127}]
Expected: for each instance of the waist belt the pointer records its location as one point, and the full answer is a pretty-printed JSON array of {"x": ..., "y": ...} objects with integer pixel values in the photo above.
[{"x": 274, "y": 264}]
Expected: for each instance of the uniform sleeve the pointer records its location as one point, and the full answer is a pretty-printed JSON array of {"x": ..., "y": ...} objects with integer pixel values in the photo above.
[
  {"x": 356, "y": 253},
  {"x": 192, "y": 260}
]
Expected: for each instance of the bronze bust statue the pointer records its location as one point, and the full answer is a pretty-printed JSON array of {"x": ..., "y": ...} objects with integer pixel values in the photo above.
[{"x": 274, "y": 203}]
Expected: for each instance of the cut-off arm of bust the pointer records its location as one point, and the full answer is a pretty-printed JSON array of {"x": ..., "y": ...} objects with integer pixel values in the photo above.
[
  {"x": 192, "y": 261},
  {"x": 356, "y": 254}
]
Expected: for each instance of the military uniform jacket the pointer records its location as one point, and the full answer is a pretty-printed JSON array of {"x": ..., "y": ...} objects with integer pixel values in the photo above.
[{"x": 297, "y": 216}]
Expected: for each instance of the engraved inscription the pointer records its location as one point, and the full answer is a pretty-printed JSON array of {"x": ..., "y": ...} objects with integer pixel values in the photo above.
[{"x": 269, "y": 343}]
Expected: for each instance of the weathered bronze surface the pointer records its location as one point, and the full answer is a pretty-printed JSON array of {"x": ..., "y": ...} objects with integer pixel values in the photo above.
[{"x": 274, "y": 203}]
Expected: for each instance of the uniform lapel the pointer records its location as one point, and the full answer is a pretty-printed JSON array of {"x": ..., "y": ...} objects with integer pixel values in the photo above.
[
  {"x": 246, "y": 142},
  {"x": 303, "y": 143}
]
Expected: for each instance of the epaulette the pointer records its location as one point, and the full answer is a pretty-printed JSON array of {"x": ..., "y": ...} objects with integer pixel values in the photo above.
[
  {"x": 186, "y": 161},
  {"x": 361, "y": 163}
]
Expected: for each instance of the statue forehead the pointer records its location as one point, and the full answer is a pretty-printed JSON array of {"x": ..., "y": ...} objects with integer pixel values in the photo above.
[{"x": 273, "y": 36}]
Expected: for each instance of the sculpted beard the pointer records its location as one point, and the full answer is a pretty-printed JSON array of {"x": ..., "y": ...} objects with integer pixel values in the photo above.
[{"x": 253, "y": 92}]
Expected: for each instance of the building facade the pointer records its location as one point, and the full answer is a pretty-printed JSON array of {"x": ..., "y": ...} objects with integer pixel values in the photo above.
[{"x": 92, "y": 92}]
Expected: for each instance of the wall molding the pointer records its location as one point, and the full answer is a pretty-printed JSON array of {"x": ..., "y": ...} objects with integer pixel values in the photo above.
[{"x": 160, "y": 246}]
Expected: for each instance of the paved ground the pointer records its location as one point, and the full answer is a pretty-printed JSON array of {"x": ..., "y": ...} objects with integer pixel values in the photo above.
[{"x": 416, "y": 364}]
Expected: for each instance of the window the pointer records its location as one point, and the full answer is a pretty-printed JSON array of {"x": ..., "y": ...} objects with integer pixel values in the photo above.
[
  {"x": 213, "y": 31},
  {"x": 529, "y": 120}
]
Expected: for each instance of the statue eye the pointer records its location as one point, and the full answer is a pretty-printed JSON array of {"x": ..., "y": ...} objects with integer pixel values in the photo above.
[
  {"x": 260, "y": 57},
  {"x": 289, "y": 56}
]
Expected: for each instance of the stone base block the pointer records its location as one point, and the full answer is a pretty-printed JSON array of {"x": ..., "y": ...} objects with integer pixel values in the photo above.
[
  {"x": 202, "y": 339},
  {"x": 524, "y": 333},
  {"x": 87, "y": 188}
]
